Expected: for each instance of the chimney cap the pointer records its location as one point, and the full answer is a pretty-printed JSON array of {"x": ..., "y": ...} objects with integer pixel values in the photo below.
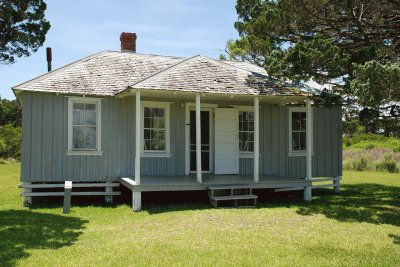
[{"x": 127, "y": 35}]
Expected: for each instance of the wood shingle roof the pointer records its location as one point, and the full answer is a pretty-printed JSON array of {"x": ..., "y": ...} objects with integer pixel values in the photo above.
[{"x": 110, "y": 73}]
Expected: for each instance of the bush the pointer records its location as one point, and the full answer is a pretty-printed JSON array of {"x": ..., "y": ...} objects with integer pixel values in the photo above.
[
  {"x": 389, "y": 164},
  {"x": 10, "y": 142},
  {"x": 369, "y": 146},
  {"x": 396, "y": 149},
  {"x": 359, "y": 164}
]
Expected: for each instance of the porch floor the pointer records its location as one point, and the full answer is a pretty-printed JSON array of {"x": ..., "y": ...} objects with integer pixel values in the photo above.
[{"x": 189, "y": 182}]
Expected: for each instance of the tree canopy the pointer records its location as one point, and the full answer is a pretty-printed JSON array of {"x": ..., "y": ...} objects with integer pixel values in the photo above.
[
  {"x": 23, "y": 28},
  {"x": 353, "y": 45}
]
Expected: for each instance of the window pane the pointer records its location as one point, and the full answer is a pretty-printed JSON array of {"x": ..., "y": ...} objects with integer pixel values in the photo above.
[
  {"x": 157, "y": 144},
  {"x": 90, "y": 137},
  {"x": 159, "y": 112},
  {"x": 154, "y": 132},
  {"x": 251, "y": 146},
  {"x": 246, "y": 131},
  {"x": 158, "y": 122},
  {"x": 250, "y": 116},
  {"x": 251, "y": 126},
  {"x": 158, "y": 134},
  {"x": 148, "y": 123},
  {"x": 147, "y": 112},
  {"x": 302, "y": 141},
  {"x": 295, "y": 121},
  {"x": 147, "y": 144},
  {"x": 77, "y": 137},
  {"x": 303, "y": 121},
  {"x": 90, "y": 106},
  {"x": 147, "y": 134},
  {"x": 84, "y": 114},
  {"x": 295, "y": 141},
  {"x": 251, "y": 136},
  {"x": 77, "y": 117},
  {"x": 90, "y": 117},
  {"x": 79, "y": 106}
]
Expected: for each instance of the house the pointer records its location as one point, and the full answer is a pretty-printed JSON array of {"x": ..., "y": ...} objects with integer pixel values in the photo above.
[{"x": 162, "y": 123}]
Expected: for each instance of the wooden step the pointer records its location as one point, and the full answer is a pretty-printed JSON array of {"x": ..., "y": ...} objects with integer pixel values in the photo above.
[
  {"x": 226, "y": 187},
  {"x": 234, "y": 197}
]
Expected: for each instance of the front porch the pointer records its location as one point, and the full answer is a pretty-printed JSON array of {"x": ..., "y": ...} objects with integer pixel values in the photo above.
[
  {"x": 210, "y": 181},
  {"x": 189, "y": 182},
  {"x": 211, "y": 144}
]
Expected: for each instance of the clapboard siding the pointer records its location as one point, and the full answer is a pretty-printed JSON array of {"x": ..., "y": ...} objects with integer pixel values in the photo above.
[{"x": 44, "y": 143}]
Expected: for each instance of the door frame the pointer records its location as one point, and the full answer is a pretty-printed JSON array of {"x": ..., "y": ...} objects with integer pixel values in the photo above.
[{"x": 203, "y": 107}]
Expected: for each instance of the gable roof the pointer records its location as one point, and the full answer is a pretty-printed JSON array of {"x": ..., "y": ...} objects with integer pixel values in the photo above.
[
  {"x": 110, "y": 73},
  {"x": 104, "y": 73},
  {"x": 206, "y": 75}
]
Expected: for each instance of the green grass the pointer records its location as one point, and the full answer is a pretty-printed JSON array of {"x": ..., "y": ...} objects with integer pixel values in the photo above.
[{"x": 359, "y": 227}]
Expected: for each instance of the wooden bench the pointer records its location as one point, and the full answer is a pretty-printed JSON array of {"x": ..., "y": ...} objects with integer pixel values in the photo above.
[
  {"x": 317, "y": 183},
  {"x": 27, "y": 193}
]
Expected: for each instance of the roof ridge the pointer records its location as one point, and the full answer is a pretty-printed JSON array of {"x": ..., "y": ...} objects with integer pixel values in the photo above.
[
  {"x": 161, "y": 71},
  {"x": 140, "y": 54},
  {"x": 40, "y": 77}
]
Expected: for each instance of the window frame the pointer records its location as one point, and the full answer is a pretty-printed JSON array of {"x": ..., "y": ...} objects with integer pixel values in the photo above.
[
  {"x": 156, "y": 153},
  {"x": 294, "y": 153},
  {"x": 84, "y": 152},
  {"x": 245, "y": 154}
]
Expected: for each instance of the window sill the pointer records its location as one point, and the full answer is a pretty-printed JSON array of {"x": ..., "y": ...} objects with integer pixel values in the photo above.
[
  {"x": 299, "y": 154},
  {"x": 155, "y": 155},
  {"x": 244, "y": 155},
  {"x": 84, "y": 153}
]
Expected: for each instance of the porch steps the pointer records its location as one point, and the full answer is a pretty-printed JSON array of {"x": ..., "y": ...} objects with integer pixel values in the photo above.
[{"x": 237, "y": 195}]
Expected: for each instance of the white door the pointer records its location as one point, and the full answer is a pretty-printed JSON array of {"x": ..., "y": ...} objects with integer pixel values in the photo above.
[{"x": 226, "y": 141}]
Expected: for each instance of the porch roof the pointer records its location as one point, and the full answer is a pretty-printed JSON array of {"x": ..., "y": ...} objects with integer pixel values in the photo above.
[
  {"x": 115, "y": 73},
  {"x": 201, "y": 74}
]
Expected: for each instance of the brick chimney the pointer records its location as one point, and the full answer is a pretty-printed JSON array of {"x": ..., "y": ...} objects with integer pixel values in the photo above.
[{"x": 128, "y": 42}]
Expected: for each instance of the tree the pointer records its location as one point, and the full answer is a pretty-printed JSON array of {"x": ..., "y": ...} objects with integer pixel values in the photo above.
[
  {"x": 22, "y": 28},
  {"x": 353, "y": 44},
  {"x": 10, "y": 112}
]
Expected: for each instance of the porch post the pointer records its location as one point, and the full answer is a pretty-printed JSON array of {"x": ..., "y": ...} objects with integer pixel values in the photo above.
[
  {"x": 198, "y": 140},
  {"x": 256, "y": 138},
  {"x": 137, "y": 139},
  {"x": 307, "y": 190}
]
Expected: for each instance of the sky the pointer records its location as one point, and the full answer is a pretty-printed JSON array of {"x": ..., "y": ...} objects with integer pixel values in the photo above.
[{"x": 163, "y": 27}]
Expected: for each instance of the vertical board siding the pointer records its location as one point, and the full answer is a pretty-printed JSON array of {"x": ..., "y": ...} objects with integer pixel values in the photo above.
[
  {"x": 26, "y": 137},
  {"x": 45, "y": 137},
  {"x": 246, "y": 166},
  {"x": 36, "y": 145}
]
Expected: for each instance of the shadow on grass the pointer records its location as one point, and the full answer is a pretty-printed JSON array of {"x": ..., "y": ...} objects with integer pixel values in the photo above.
[
  {"x": 396, "y": 239},
  {"x": 21, "y": 230},
  {"x": 370, "y": 203}
]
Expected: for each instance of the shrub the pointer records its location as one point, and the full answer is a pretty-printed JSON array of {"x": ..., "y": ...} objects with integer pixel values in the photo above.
[
  {"x": 358, "y": 164},
  {"x": 369, "y": 146},
  {"x": 10, "y": 141},
  {"x": 389, "y": 164},
  {"x": 396, "y": 149}
]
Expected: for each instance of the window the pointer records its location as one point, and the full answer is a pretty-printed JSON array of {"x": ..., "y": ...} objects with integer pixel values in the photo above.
[
  {"x": 297, "y": 133},
  {"x": 84, "y": 126},
  {"x": 155, "y": 121},
  {"x": 246, "y": 131}
]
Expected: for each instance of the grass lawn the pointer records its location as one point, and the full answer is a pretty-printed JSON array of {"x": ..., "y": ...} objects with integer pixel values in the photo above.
[{"x": 361, "y": 226}]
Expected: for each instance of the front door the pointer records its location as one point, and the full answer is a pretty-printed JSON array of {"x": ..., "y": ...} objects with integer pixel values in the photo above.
[
  {"x": 226, "y": 141},
  {"x": 205, "y": 140}
]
